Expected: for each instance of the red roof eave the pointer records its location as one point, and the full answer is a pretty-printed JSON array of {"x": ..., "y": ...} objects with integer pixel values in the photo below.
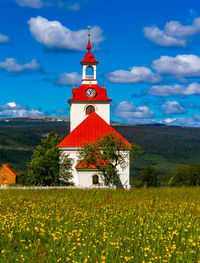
[
  {"x": 87, "y": 98},
  {"x": 80, "y": 93}
]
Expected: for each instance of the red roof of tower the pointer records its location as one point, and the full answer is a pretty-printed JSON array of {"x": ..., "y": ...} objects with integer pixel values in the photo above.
[
  {"x": 88, "y": 131},
  {"x": 89, "y": 57},
  {"x": 80, "y": 93}
]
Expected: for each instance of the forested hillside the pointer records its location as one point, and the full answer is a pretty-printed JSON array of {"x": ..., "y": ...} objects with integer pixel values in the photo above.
[{"x": 163, "y": 146}]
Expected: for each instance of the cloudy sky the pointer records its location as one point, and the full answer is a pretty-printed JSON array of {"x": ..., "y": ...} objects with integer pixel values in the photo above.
[{"x": 148, "y": 53}]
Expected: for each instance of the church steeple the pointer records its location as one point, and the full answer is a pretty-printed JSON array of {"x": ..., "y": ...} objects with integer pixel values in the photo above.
[
  {"x": 89, "y": 66},
  {"x": 89, "y": 97}
]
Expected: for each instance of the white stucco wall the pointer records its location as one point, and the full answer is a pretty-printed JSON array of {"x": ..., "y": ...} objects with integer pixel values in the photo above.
[
  {"x": 83, "y": 178},
  {"x": 78, "y": 111},
  {"x": 73, "y": 153}
]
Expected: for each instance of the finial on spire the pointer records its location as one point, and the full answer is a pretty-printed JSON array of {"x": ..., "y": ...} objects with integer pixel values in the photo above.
[
  {"x": 89, "y": 27},
  {"x": 89, "y": 45},
  {"x": 105, "y": 85},
  {"x": 73, "y": 84}
]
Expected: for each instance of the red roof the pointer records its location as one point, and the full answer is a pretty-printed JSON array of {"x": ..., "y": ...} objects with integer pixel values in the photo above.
[
  {"x": 6, "y": 164},
  {"x": 82, "y": 166},
  {"x": 80, "y": 93},
  {"x": 88, "y": 131},
  {"x": 89, "y": 57}
]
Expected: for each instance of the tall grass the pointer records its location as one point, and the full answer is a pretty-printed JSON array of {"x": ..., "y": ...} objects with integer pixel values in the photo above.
[{"x": 142, "y": 225}]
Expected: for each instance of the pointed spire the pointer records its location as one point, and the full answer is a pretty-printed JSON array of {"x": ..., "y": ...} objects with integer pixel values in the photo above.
[
  {"x": 89, "y": 45},
  {"x": 89, "y": 57}
]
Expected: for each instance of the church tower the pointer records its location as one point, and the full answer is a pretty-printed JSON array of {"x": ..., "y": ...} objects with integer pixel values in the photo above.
[
  {"x": 90, "y": 120},
  {"x": 89, "y": 97}
]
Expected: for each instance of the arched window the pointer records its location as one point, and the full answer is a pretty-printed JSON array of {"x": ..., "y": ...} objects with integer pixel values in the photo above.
[
  {"x": 89, "y": 72},
  {"x": 90, "y": 109},
  {"x": 95, "y": 179}
]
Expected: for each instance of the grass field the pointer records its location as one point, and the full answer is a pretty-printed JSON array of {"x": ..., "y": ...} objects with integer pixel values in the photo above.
[{"x": 140, "y": 225}]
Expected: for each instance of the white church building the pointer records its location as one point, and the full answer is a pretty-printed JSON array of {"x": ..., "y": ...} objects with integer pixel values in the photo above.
[{"x": 90, "y": 119}]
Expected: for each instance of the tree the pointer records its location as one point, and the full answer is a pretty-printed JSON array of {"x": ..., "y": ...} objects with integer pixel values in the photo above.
[
  {"x": 188, "y": 175},
  {"x": 48, "y": 166},
  {"x": 150, "y": 177},
  {"x": 106, "y": 154}
]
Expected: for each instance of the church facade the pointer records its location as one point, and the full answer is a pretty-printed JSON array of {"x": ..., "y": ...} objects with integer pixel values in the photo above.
[{"x": 90, "y": 119}]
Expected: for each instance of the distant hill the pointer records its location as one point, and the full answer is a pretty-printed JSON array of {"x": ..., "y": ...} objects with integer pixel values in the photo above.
[
  {"x": 163, "y": 146},
  {"x": 36, "y": 119},
  {"x": 66, "y": 119}
]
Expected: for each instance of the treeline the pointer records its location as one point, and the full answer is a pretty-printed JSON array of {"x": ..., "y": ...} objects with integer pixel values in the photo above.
[{"x": 184, "y": 175}]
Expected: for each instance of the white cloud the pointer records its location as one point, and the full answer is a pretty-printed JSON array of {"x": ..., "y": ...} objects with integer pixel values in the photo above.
[
  {"x": 126, "y": 110},
  {"x": 11, "y": 104},
  {"x": 169, "y": 120},
  {"x": 142, "y": 114},
  {"x": 30, "y": 3},
  {"x": 4, "y": 39},
  {"x": 11, "y": 65},
  {"x": 172, "y": 107},
  {"x": 12, "y": 110},
  {"x": 173, "y": 34},
  {"x": 135, "y": 75},
  {"x": 171, "y": 90},
  {"x": 180, "y": 66},
  {"x": 53, "y": 35},
  {"x": 69, "y": 78},
  {"x": 183, "y": 121}
]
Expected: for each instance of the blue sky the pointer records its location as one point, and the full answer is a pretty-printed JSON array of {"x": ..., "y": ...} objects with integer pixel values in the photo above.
[{"x": 148, "y": 53}]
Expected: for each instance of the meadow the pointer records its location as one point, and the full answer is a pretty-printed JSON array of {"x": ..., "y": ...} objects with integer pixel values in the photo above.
[{"x": 100, "y": 225}]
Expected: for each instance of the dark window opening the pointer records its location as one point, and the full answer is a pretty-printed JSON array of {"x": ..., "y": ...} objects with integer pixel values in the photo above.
[
  {"x": 95, "y": 179},
  {"x": 90, "y": 109}
]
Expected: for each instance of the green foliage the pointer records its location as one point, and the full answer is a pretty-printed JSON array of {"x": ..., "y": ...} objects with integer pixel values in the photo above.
[
  {"x": 44, "y": 168},
  {"x": 65, "y": 169},
  {"x": 22, "y": 178},
  {"x": 188, "y": 175},
  {"x": 150, "y": 177},
  {"x": 106, "y": 154}
]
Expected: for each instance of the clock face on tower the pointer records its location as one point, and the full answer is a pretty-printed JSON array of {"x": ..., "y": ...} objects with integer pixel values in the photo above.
[{"x": 90, "y": 92}]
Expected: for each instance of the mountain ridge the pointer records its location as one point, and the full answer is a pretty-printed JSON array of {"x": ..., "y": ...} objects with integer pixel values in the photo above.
[{"x": 67, "y": 119}]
